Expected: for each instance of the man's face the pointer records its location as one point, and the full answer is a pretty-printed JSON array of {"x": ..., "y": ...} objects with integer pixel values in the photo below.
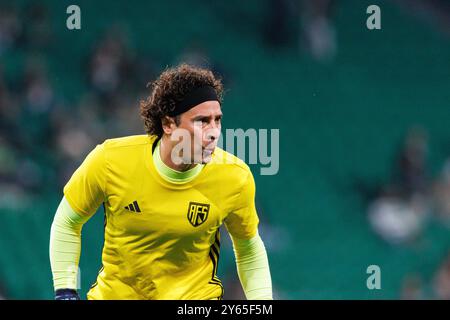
[{"x": 203, "y": 124}]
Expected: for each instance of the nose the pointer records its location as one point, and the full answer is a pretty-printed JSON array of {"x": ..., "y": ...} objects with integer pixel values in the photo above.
[{"x": 212, "y": 133}]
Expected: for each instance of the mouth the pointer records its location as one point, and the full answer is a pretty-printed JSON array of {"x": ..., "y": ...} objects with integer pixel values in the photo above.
[
  {"x": 209, "y": 147},
  {"x": 208, "y": 151}
]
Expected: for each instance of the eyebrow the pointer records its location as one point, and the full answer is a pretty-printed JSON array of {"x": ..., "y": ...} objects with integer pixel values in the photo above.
[{"x": 207, "y": 116}]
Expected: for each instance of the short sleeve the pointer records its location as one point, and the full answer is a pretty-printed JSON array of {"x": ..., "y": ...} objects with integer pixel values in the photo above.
[
  {"x": 242, "y": 222},
  {"x": 86, "y": 189}
]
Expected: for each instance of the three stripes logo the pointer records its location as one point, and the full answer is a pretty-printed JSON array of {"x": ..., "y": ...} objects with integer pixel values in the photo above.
[{"x": 134, "y": 207}]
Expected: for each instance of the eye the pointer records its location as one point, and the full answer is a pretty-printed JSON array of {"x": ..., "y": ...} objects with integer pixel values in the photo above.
[{"x": 202, "y": 120}]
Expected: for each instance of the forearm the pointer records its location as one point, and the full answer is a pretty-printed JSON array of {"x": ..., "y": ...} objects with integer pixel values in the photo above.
[
  {"x": 253, "y": 268},
  {"x": 65, "y": 246}
]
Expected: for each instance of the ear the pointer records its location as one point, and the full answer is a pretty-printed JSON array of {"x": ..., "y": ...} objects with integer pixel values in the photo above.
[{"x": 168, "y": 124}]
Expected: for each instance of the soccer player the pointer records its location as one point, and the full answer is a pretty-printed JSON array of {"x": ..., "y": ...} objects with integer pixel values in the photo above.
[{"x": 162, "y": 215}]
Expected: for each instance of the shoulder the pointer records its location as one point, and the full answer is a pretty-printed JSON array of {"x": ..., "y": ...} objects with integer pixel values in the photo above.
[
  {"x": 231, "y": 167},
  {"x": 126, "y": 151},
  {"x": 127, "y": 142}
]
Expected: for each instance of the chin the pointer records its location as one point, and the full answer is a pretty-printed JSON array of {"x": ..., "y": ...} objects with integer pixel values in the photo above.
[{"x": 206, "y": 160}]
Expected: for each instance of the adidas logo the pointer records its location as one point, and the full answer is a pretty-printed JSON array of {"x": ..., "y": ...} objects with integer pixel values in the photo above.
[{"x": 133, "y": 207}]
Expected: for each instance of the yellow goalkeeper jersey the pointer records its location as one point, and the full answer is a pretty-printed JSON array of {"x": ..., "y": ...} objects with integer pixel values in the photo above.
[{"x": 162, "y": 238}]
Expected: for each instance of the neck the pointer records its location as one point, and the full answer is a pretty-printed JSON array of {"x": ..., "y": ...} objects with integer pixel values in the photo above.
[
  {"x": 177, "y": 175},
  {"x": 166, "y": 156}
]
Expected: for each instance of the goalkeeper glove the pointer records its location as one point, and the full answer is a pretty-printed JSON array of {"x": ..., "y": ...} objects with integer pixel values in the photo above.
[{"x": 66, "y": 294}]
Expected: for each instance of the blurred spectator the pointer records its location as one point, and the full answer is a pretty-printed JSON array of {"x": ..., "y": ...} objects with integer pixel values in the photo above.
[
  {"x": 441, "y": 282},
  {"x": 441, "y": 194},
  {"x": 411, "y": 173},
  {"x": 196, "y": 54},
  {"x": 37, "y": 29},
  {"x": 435, "y": 12},
  {"x": 10, "y": 28},
  {"x": 314, "y": 18},
  {"x": 8, "y": 161},
  {"x": 399, "y": 213},
  {"x": 39, "y": 96},
  {"x": 21, "y": 113},
  {"x": 412, "y": 288},
  {"x": 277, "y": 27},
  {"x": 318, "y": 31},
  {"x": 12, "y": 192},
  {"x": 111, "y": 67},
  {"x": 73, "y": 144},
  {"x": 9, "y": 112},
  {"x": 2, "y": 295},
  {"x": 38, "y": 102},
  {"x": 395, "y": 220}
]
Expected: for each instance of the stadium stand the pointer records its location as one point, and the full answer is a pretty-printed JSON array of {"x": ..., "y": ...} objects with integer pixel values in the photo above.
[{"x": 339, "y": 121}]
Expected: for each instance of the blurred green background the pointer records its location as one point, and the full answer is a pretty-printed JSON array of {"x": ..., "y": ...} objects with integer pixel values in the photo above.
[{"x": 344, "y": 98}]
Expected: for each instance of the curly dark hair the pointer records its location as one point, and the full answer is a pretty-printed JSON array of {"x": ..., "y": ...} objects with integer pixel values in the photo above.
[{"x": 170, "y": 88}]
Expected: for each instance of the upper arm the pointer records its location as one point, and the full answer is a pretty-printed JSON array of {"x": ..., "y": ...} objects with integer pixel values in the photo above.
[
  {"x": 242, "y": 221},
  {"x": 86, "y": 189}
]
